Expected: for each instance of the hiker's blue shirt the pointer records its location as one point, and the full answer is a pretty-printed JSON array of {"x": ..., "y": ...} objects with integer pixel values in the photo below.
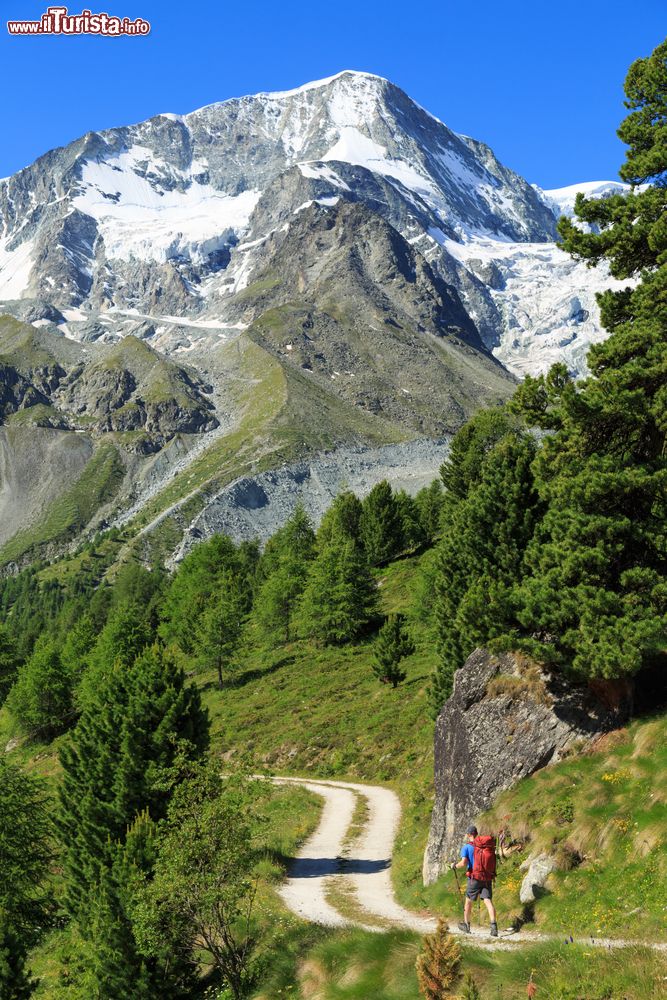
[{"x": 468, "y": 852}]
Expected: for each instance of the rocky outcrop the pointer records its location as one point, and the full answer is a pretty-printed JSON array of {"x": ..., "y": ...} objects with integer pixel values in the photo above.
[
  {"x": 506, "y": 718},
  {"x": 16, "y": 392},
  {"x": 368, "y": 318},
  {"x": 101, "y": 388}
]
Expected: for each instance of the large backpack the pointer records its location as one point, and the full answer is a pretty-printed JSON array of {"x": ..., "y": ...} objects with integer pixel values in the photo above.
[{"x": 484, "y": 859}]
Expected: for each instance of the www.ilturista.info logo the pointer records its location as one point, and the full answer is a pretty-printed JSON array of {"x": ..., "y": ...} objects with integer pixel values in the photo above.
[{"x": 57, "y": 21}]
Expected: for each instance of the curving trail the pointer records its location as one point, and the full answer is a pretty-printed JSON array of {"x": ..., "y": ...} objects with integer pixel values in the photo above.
[{"x": 331, "y": 874}]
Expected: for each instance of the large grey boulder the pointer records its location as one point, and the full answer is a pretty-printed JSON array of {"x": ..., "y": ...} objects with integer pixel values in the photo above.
[
  {"x": 538, "y": 871},
  {"x": 506, "y": 718}
]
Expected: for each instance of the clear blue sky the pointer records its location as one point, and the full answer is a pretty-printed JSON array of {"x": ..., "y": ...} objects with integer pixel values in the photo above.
[{"x": 541, "y": 82}]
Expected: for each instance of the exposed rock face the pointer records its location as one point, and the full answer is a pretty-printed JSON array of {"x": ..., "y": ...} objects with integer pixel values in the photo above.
[
  {"x": 101, "y": 388},
  {"x": 485, "y": 741},
  {"x": 366, "y": 316}
]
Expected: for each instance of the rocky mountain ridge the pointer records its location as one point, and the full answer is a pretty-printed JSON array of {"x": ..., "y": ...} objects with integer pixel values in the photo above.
[{"x": 123, "y": 387}]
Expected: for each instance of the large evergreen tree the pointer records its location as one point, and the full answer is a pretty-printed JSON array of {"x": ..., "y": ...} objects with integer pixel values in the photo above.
[
  {"x": 41, "y": 698},
  {"x": 25, "y": 853},
  {"x": 595, "y": 598},
  {"x": 284, "y": 568},
  {"x": 126, "y": 737},
  {"x": 193, "y": 584},
  {"x": 343, "y": 516},
  {"x": 340, "y": 595},
  {"x": 8, "y": 662},
  {"x": 392, "y": 645},
  {"x": 125, "y": 634},
  {"x": 481, "y": 552},
  {"x": 220, "y": 624},
  {"x": 204, "y": 884},
  {"x": 381, "y": 524},
  {"x": 429, "y": 502}
]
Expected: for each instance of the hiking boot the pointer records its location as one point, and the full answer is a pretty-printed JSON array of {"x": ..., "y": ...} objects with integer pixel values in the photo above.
[
  {"x": 494, "y": 929},
  {"x": 463, "y": 926}
]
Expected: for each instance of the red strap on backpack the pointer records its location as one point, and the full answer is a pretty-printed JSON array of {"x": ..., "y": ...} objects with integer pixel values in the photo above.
[{"x": 484, "y": 859}]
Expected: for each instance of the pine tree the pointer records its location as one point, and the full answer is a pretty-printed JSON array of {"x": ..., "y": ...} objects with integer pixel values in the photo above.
[
  {"x": 340, "y": 595},
  {"x": 284, "y": 570},
  {"x": 593, "y": 599},
  {"x": 41, "y": 698},
  {"x": 191, "y": 587},
  {"x": 124, "y": 741},
  {"x": 343, "y": 517},
  {"x": 9, "y": 662},
  {"x": 469, "y": 447},
  {"x": 113, "y": 963},
  {"x": 220, "y": 625},
  {"x": 295, "y": 540},
  {"x": 15, "y": 981},
  {"x": 204, "y": 885},
  {"x": 410, "y": 513},
  {"x": 380, "y": 525},
  {"x": 429, "y": 502},
  {"x": 392, "y": 645},
  {"x": 25, "y": 856},
  {"x": 439, "y": 964},
  {"x": 125, "y": 634},
  {"x": 481, "y": 555},
  {"x": 78, "y": 644}
]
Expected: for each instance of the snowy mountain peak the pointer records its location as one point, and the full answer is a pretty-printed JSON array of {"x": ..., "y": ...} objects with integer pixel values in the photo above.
[
  {"x": 354, "y": 76},
  {"x": 561, "y": 200},
  {"x": 167, "y": 221}
]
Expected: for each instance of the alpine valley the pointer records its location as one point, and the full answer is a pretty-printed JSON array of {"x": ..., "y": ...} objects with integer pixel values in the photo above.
[{"x": 225, "y": 312}]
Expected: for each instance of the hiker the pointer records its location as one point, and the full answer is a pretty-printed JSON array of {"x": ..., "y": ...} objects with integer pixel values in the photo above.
[{"x": 478, "y": 857}]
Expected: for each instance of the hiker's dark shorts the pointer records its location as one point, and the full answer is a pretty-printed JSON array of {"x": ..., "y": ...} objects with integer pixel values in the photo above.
[{"x": 479, "y": 890}]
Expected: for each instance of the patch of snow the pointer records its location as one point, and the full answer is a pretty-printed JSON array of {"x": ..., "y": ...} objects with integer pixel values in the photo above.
[
  {"x": 139, "y": 216},
  {"x": 358, "y": 149},
  {"x": 74, "y": 315},
  {"x": 319, "y": 171},
  {"x": 325, "y": 202},
  {"x": 15, "y": 268},
  {"x": 200, "y": 324}
]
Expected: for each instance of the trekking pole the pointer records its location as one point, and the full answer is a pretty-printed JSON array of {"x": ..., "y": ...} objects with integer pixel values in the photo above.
[{"x": 457, "y": 881}]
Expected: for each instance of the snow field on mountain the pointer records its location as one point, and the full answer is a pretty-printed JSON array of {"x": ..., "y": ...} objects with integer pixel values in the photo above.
[
  {"x": 15, "y": 267},
  {"x": 143, "y": 218}
]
